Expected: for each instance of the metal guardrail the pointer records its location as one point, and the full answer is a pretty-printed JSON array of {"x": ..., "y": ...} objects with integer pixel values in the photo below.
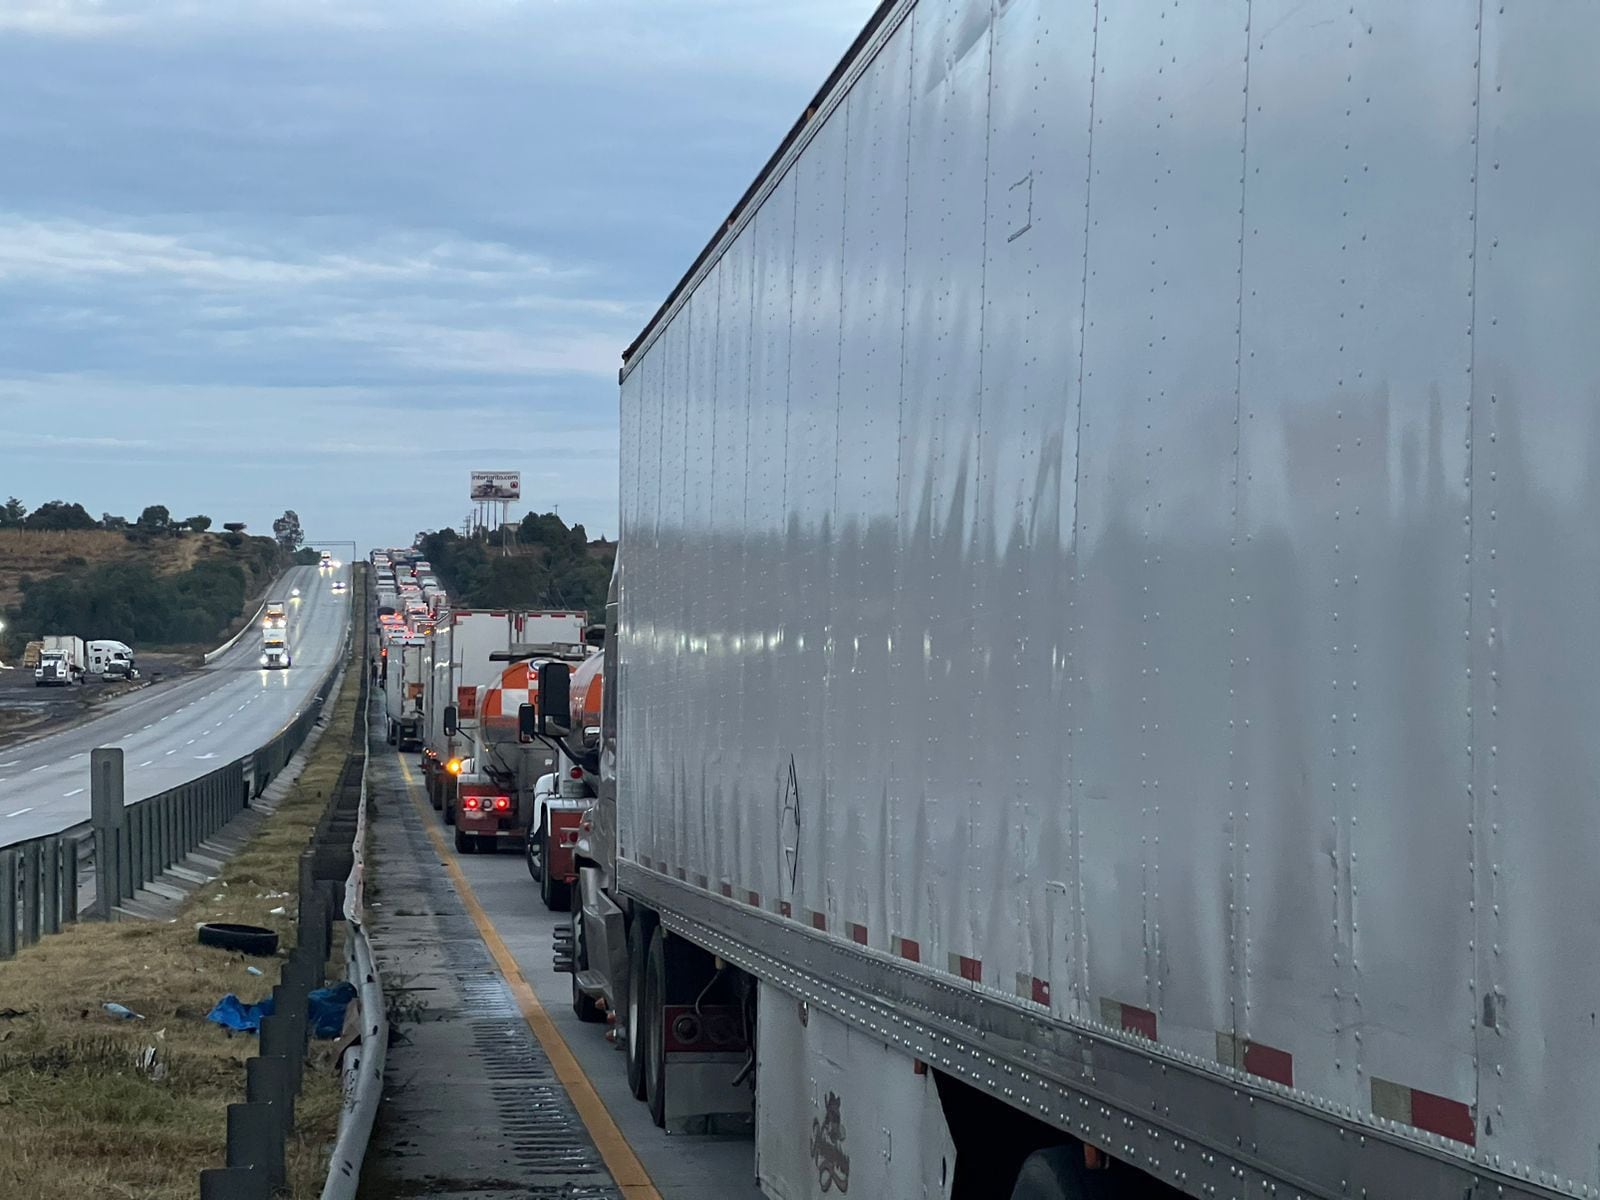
[
  {"x": 39, "y": 878},
  {"x": 259, "y": 1128},
  {"x": 364, "y": 1060}
]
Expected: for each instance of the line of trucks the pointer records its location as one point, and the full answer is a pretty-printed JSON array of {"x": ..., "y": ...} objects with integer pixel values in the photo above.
[
  {"x": 457, "y": 686},
  {"x": 61, "y": 660},
  {"x": 1099, "y": 684}
]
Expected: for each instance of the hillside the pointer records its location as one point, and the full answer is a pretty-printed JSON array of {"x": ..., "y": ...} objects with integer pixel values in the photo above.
[
  {"x": 175, "y": 588},
  {"x": 41, "y": 554}
]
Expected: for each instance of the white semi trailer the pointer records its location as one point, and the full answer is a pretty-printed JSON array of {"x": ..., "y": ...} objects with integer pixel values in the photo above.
[{"x": 1105, "y": 669}]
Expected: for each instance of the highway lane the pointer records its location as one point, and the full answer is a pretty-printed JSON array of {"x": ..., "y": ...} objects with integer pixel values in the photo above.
[{"x": 178, "y": 731}]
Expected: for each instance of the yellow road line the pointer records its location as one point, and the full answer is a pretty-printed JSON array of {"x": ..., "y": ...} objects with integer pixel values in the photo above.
[{"x": 619, "y": 1157}]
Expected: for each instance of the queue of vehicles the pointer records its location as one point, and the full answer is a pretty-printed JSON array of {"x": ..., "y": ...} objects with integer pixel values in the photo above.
[{"x": 456, "y": 683}]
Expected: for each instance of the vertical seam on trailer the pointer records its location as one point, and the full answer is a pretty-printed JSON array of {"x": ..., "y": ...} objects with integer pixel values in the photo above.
[
  {"x": 788, "y": 353},
  {"x": 1079, "y": 955},
  {"x": 895, "y": 918},
  {"x": 974, "y": 600},
  {"x": 1238, "y": 799},
  {"x": 1475, "y": 798}
]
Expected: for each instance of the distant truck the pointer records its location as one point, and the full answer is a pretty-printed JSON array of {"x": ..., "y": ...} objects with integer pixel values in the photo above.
[
  {"x": 112, "y": 659},
  {"x": 63, "y": 661},
  {"x": 402, "y": 692},
  {"x": 325, "y": 562},
  {"x": 275, "y": 648},
  {"x": 277, "y": 616}
]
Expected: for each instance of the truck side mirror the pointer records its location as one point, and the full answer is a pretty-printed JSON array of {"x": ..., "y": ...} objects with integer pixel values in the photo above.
[
  {"x": 450, "y": 716},
  {"x": 555, "y": 698},
  {"x": 527, "y": 723}
]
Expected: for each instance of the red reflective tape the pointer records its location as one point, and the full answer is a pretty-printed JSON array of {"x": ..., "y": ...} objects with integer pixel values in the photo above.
[
  {"x": 785, "y": 908},
  {"x": 1139, "y": 1020},
  {"x": 1438, "y": 1114},
  {"x": 701, "y": 882},
  {"x": 1041, "y": 991},
  {"x": 753, "y": 899},
  {"x": 858, "y": 933},
  {"x": 907, "y": 949},
  {"x": 819, "y": 921},
  {"x": 727, "y": 890},
  {"x": 970, "y": 969},
  {"x": 1269, "y": 1063}
]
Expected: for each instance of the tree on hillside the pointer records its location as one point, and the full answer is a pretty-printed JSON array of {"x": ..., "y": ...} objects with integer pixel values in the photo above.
[
  {"x": 58, "y": 514},
  {"x": 155, "y": 519},
  {"x": 287, "y": 530},
  {"x": 114, "y": 523},
  {"x": 198, "y": 524},
  {"x": 12, "y": 514}
]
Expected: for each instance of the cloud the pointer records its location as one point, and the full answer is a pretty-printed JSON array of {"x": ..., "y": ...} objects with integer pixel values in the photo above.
[{"x": 331, "y": 254}]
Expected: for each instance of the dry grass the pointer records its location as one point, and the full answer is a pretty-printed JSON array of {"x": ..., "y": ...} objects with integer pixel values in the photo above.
[
  {"x": 82, "y": 1118},
  {"x": 42, "y": 553}
]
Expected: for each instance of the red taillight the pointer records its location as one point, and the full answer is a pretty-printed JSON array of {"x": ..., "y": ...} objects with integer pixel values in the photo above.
[
  {"x": 575, "y": 773},
  {"x": 502, "y": 803},
  {"x": 469, "y": 802}
]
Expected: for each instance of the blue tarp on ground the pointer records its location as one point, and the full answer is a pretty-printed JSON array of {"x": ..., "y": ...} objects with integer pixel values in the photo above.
[
  {"x": 324, "y": 1011},
  {"x": 233, "y": 1013}
]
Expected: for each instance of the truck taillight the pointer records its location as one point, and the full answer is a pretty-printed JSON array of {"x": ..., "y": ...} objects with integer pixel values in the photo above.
[
  {"x": 575, "y": 773},
  {"x": 470, "y": 803},
  {"x": 502, "y": 803}
]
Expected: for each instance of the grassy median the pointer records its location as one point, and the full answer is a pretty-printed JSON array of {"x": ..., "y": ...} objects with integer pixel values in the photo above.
[{"x": 95, "y": 1106}]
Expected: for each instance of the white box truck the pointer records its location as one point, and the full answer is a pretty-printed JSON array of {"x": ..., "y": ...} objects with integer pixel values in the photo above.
[
  {"x": 1105, "y": 669},
  {"x": 63, "y": 661}
]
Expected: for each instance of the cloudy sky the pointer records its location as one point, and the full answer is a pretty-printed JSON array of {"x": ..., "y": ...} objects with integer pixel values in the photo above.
[{"x": 331, "y": 255}]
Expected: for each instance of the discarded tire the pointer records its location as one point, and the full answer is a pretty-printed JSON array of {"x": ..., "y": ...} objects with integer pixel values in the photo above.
[{"x": 246, "y": 939}]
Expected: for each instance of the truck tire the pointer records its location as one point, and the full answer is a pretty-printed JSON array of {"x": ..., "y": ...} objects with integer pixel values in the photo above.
[
  {"x": 557, "y": 894},
  {"x": 465, "y": 843},
  {"x": 1058, "y": 1173},
  {"x": 587, "y": 1008},
  {"x": 393, "y": 741},
  {"x": 532, "y": 852},
  {"x": 245, "y": 939},
  {"x": 653, "y": 1019},
  {"x": 633, "y": 1013}
]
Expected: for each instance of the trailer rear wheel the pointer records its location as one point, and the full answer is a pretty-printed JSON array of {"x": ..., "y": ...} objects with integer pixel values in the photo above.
[
  {"x": 638, "y": 946},
  {"x": 653, "y": 1018},
  {"x": 1059, "y": 1173},
  {"x": 465, "y": 843}
]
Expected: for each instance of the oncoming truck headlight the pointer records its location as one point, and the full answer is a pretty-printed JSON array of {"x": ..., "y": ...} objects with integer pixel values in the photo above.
[{"x": 263, "y": 660}]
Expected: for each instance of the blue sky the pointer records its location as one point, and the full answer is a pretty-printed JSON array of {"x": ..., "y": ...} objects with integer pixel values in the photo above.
[{"x": 333, "y": 254}]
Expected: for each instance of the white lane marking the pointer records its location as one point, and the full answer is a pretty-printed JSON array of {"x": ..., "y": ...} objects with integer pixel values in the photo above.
[
  {"x": 19, "y": 812},
  {"x": 17, "y": 762},
  {"x": 40, "y": 767},
  {"x": 147, "y": 762},
  {"x": 171, "y": 752},
  {"x": 190, "y": 742},
  {"x": 70, "y": 757},
  {"x": 164, "y": 718},
  {"x": 73, "y": 792},
  {"x": 149, "y": 726}
]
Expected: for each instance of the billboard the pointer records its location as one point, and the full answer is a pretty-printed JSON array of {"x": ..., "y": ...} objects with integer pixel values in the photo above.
[{"x": 497, "y": 485}]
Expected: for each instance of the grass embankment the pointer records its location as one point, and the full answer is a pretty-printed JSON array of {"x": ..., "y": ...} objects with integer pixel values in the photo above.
[{"x": 82, "y": 1118}]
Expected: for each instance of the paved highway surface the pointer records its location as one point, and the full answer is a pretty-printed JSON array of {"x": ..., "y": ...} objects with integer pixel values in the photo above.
[{"x": 172, "y": 732}]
